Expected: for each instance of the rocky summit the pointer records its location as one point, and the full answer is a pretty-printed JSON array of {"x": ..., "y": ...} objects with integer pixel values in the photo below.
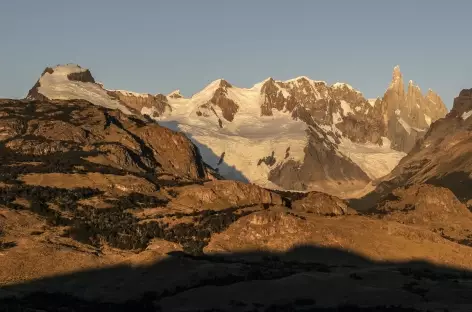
[
  {"x": 105, "y": 209},
  {"x": 299, "y": 134}
]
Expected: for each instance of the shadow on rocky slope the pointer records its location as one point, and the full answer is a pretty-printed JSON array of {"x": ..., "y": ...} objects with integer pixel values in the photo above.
[
  {"x": 459, "y": 183},
  {"x": 306, "y": 278},
  {"x": 217, "y": 161}
]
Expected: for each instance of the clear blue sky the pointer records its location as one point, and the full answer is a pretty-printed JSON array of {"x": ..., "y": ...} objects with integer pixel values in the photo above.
[{"x": 158, "y": 46}]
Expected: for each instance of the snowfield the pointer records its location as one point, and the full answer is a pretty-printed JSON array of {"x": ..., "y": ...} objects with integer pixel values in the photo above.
[
  {"x": 251, "y": 137},
  {"x": 377, "y": 161},
  {"x": 245, "y": 140}
]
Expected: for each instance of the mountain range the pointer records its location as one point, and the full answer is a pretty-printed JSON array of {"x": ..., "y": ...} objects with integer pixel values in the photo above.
[
  {"x": 297, "y": 135},
  {"x": 112, "y": 200}
]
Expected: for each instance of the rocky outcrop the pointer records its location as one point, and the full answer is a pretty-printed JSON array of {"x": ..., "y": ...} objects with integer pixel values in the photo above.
[
  {"x": 33, "y": 93},
  {"x": 322, "y": 204},
  {"x": 82, "y": 76},
  {"x": 407, "y": 115},
  {"x": 228, "y": 107},
  {"x": 462, "y": 104},
  {"x": 434, "y": 208},
  {"x": 107, "y": 137},
  {"x": 422, "y": 204},
  {"x": 362, "y": 129},
  {"x": 175, "y": 95},
  {"x": 323, "y": 103},
  {"x": 146, "y": 104},
  {"x": 322, "y": 169},
  {"x": 217, "y": 195}
]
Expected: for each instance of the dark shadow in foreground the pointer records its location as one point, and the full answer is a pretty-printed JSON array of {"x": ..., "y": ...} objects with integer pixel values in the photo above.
[
  {"x": 306, "y": 278},
  {"x": 458, "y": 182}
]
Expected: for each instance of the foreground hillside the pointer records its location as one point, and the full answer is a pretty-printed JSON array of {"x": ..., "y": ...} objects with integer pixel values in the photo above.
[
  {"x": 102, "y": 210},
  {"x": 298, "y": 134}
]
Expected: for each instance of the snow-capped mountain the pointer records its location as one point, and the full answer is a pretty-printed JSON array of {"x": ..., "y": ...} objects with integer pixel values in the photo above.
[
  {"x": 70, "y": 81},
  {"x": 298, "y": 134}
]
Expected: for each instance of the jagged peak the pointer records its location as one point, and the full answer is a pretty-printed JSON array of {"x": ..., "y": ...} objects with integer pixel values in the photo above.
[
  {"x": 304, "y": 78},
  {"x": 412, "y": 84},
  {"x": 175, "y": 94},
  {"x": 343, "y": 85},
  {"x": 268, "y": 79},
  {"x": 298, "y": 78},
  {"x": 372, "y": 101},
  {"x": 397, "y": 79},
  {"x": 218, "y": 83},
  {"x": 397, "y": 75},
  {"x": 211, "y": 88},
  {"x": 259, "y": 85}
]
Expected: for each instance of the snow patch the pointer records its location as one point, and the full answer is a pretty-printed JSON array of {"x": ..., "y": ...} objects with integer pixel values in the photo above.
[
  {"x": 304, "y": 78},
  {"x": 151, "y": 110},
  {"x": 427, "y": 119},
  {"x": 376, "y": 161},
  {"x": 466, "y": 115},
  {"x": 372, "y": 102},
  {"x": 337, "y": 118},
  {"x": 405, "y": 125},
  {"x": 346, "y": 108},
  {"x": 259, "y": 85},
  {"x": 175, "y": 93},
  {"x": 130, "y": 93},
  {"x": 340, "y": 85},
  {"x": 284, "y": 91}
]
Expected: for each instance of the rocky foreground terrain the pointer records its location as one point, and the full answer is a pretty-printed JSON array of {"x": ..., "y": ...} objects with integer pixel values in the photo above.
[{"x": 103, "y": 210}]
